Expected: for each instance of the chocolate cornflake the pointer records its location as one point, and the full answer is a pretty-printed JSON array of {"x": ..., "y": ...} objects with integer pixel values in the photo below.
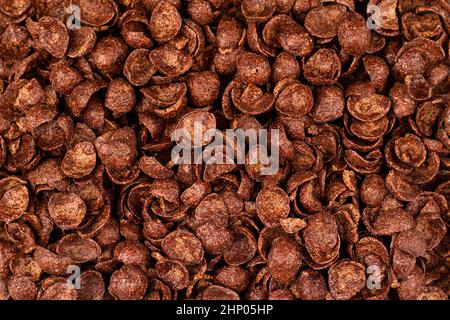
[{"x": 355, "y": 98}]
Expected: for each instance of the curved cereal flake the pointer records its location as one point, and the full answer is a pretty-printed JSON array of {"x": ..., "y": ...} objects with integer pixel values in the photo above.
[
  {"x": 80, "y": 160},
  {"x": 353, "y": 34},
  {"x": 165, "y": 21},
  {"x": 216, "y": 239},
  {"x": 108, "y": 56},
  {"x": 323, "y": 67},
  {"x": 250, "y": 99},
  {"x": 252, "y": 68},
  {"x": 120, "y": 97},
  {"x": 377, "y": 69},
  {"x": 137, "y": 68},
  {"x": 369, "y": 249},
  {"x": 78, "y": 249},
  {"x": 284, "y": 259},
  {"x": 229, "y": 34},
  {"x": 413, "y": 285},
  {"x": 14, "y": 8},
  {"x": 183, "y": 246},
  {"x": 216, "y": 292},
  {"x": 323, "y": 21},
  {"x": 53, "y": 36},
  {"x": 211, "y": 209},
  {"x": 80, "y": 95},
  {"x": 131, "y": 252},
  {"x": 243, "y": 249},
  {"x": 427, "y": 171},
  {"x": 170, "y": 61},
  {"x": 25, "y": 266},
  {"x": 346, "y": 279},
  {"x": 294, "y": 99},
  {"x": 410, "y": 150},
  {"x": 392, "y": 221},
  {"x": 428, "y": 115},
  {"x": 22, "y": 288},
  {"x": 117, "y": 148},
  {"x": 272, "y": 204},
  {"x": 153, "y": 168},
  {"x": 81, "y": 42},
  {"x": 174, "y": 273},
  {"x": 92, "y": 286},
  {"x": 14, "y": 198},
  {"x": 195, "y": 124},
  {"x": 401, "y": 187},
  {"x": 50, "y": 262},
  {"x": 66, "y": 209},
  {"x": 235, "y": 278},
  {"x": 128, "y": 283},
  {"x": 418, "y": 87},
  {"x": 373, "y": 190},
  {"x": 203, "y": 88},
  {"x": 285, "y": 66},
  {"x": 64, "y": 78},
  {"x": 371, "y": 163},
  {"x": 370, "y": 130},
  {"x": 329, "y": 104},
  {"x": 59, "y": 290},
  {"x": 97, "y": 12},
  {"x": 256, "y": 11},
  {"x": 283, "y": 31},
  {"x": 368, "y": 108},
  {"x": 427, "y": 25},
  {"x": 323, "y": 226},
  {"x": 310, "y": 285},
  {"x": 200, "y": 11}
]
